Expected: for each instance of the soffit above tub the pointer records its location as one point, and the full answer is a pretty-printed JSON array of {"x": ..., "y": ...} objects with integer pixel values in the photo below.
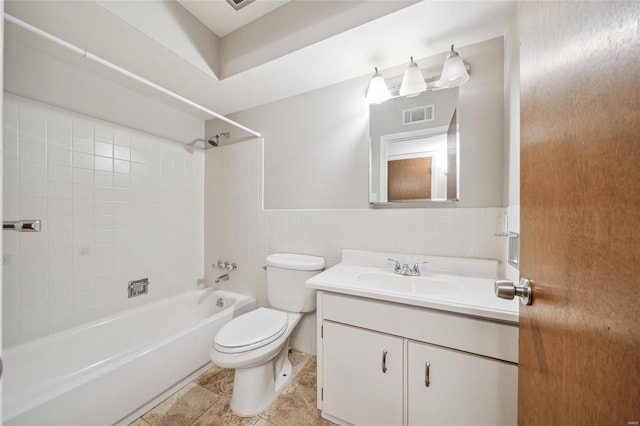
[{"x": 174, "y": 49}]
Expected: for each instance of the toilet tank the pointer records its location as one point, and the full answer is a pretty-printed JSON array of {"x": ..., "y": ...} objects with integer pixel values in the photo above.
[{"x": 286, "y": 276}]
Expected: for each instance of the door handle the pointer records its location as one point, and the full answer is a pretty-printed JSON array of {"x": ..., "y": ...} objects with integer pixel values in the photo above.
[
  {"x": 505, "y": 289},
  {"x": 384, "y": 361}
]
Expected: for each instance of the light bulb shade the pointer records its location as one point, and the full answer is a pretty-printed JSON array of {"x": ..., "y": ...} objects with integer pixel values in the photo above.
[
  {"x": 378, "y": 91},
  {"x": 454, "y": 72},
  {"x": 413, "y": 81}
]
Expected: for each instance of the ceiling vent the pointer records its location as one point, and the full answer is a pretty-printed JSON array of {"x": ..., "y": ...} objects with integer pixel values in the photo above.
[{"x": 239, "y": 4}]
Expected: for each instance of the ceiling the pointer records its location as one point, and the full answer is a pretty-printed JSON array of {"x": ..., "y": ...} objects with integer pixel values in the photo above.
[
  {"x": 230, "y": 61},
  {"x": 221, "y": 18}
]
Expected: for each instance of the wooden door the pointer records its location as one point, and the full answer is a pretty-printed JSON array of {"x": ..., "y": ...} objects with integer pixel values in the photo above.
[
  {"x": 409, "y": 179},
  {"x": 579, "y": 356}
]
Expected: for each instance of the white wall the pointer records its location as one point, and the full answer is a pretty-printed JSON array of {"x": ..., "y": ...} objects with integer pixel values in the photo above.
[
  {"x": 294, "y": 26},
  {"x": 238, "y": 229},
  {"x": 173, "y": 27},
  {"x": 116, "y": 205},
  {"x": 317, "y": 143},
  {"x": 512, "y": 137}
]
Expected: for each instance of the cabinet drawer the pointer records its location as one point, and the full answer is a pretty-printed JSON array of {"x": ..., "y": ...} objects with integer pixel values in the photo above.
[{"x": 469, "y": 334}]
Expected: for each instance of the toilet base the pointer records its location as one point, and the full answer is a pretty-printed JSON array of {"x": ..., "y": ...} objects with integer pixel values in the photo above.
[{"x": 255, "y": 388}]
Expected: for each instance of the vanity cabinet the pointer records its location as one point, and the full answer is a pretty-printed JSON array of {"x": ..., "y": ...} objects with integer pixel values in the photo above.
[
  {"x": 385, "y": 363},
  {"x": 363, "y": 377}
]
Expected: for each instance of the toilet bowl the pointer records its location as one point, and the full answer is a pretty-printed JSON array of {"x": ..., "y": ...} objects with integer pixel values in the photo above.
[{"x": 256, "y": 344}]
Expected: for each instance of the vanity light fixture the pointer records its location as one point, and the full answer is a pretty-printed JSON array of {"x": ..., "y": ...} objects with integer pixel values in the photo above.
[
  {"x": 454, "y": 72},
  {"x": 413, "y": 81},
  {"x": 378, "y": 91}
]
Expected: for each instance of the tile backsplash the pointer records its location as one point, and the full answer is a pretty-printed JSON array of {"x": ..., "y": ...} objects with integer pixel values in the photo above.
[{"x": 116, "y": 205}]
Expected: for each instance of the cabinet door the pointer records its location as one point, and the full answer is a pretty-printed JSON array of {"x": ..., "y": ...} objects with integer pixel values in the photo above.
[
  {"x": 463, "y": 389},
  {"x": 362, "y": 375}
]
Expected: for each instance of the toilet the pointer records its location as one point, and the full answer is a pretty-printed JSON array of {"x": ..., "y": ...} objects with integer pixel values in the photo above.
[{"x": 256, "y": 344}]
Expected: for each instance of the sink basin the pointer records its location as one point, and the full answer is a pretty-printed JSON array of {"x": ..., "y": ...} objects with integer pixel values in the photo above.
[{"x": 394, "y": 283}]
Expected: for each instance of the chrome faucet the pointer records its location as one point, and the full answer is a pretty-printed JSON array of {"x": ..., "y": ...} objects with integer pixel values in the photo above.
[
  {"x": 223, "y": 277},
  {"x": 412, "y": 271}
]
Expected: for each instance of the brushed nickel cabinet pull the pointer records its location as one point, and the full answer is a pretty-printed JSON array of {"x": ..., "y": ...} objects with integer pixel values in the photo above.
[
  {"x": 427, "y": 366},
  {"x": 384, "y": 361}
]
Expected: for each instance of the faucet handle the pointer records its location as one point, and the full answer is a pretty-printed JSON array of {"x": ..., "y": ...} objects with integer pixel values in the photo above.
[
  {"x": 398, "y": 267},
  {"x": 416, "y": 267}
]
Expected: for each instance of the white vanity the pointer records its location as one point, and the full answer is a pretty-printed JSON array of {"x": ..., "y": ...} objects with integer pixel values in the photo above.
[{"x": 435, "y": 349}]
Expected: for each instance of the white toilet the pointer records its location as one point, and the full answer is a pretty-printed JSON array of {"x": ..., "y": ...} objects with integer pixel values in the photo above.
[{"x": 256, "y": 344}]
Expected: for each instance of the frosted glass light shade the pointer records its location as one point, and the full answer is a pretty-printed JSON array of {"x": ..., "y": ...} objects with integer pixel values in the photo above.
[
  {"x": 378, "y": 91},
  {"x": 413, "y": 81},
  {"x": 454, "y": 72}
]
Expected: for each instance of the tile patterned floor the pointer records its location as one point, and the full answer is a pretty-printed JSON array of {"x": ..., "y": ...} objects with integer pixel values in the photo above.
[{"x": 205, "y": 401}]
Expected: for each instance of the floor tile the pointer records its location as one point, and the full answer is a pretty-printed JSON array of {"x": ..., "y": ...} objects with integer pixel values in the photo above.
[
  {"x": 205, "y": 401},
  {"x": 297, "y": 404},
  {"x": 220, "y": 414},
  {"x": 139, "y": 422},
  {"x": 298, "y": 360},
  {"x": 183, "y": 407},
  {"x": 217, "y": 380}
]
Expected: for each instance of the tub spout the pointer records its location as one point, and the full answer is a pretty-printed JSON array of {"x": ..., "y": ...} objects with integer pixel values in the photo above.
[{"x": 223, "y": 277}]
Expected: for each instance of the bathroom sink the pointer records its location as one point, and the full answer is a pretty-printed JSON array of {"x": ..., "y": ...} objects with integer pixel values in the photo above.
[
  {"x": 463, "y": 286},
  {"x": 394, "y": 283}
]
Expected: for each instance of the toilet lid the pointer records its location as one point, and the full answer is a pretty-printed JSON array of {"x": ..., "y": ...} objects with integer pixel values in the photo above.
[{"x": 251, "y": 330}]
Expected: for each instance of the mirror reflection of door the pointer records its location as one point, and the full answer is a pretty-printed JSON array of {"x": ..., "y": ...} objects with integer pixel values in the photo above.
[
  {"x": 415, "y": 127},
  {"x": 415, "y": 166},
  {"x": 409, "y": 179}
]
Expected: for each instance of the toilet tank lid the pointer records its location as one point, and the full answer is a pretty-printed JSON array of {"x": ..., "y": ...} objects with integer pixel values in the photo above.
[{"x": 299, "y": 262}]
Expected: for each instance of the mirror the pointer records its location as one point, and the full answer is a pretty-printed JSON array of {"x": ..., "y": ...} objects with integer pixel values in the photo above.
[{"x": 413, "y": 151}]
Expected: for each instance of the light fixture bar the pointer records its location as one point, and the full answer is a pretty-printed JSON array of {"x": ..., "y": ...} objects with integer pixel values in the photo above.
[
  {"x": 114, "y": 67},
  {"x": 432, "y": 78}
]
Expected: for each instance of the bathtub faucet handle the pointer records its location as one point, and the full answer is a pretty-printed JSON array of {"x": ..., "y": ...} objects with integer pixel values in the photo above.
[{"x": 231, "y": 266}]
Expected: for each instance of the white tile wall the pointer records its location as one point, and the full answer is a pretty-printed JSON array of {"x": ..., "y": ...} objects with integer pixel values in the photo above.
[
  {"x": 237, "y": 229},
  {"x": 115, "y": 205}
]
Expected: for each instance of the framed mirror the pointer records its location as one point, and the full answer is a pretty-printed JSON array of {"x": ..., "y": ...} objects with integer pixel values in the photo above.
[{"x": 413, "y": 150}]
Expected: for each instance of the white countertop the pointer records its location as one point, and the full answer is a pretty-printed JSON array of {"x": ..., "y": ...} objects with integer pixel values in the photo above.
[{"x": 468, "y": 295}]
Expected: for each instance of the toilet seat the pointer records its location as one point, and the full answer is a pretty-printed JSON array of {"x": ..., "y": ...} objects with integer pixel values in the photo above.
[{"x": 251, "y": 330}]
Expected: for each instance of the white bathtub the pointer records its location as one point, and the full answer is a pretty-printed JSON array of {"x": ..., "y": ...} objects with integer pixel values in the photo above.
[{"x": 99, "y": 373}]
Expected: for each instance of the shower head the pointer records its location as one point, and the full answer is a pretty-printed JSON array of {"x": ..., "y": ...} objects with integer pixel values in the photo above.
[{"x": 215, "y": 140}]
